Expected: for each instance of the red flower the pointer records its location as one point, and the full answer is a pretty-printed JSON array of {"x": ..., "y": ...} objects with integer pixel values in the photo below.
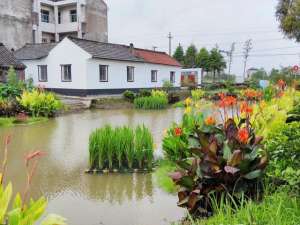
[
  {"x": 243, "y": 135},
  {"x": 252, "y": 94},
  {"x": 226, "y": 101},
  {"x": 281, "y": 83},
  {"x": 245, "y": 108},
  {"x": 210, "y": 121},
  {"x": 178, "y": 131}
]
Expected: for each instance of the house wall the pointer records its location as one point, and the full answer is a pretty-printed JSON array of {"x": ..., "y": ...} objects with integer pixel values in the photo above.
[
  {"x": 85, "y": 72},
  {"x": 64, "y": 53},
  {"x": 117, "y": 75}
]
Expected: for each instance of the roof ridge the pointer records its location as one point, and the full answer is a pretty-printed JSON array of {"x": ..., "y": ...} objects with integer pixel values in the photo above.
[{"x": 99, "y": 42}]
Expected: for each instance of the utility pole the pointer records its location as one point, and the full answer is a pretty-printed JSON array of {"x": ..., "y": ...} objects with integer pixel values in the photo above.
[
  {"x": 170, "y": 37},
  {"x": 231, "y": 57},
  {"x": 247, "y": 49}
]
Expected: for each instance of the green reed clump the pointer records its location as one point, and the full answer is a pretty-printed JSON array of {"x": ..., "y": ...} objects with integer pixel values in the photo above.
[
  {"x": 151, "y": 102},
  {"x": 121, "y": 147},
  {"x": 143, "y": 146}
]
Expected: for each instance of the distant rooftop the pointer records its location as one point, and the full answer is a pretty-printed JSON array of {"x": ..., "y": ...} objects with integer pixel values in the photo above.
[{"x": 7, "y": 59}]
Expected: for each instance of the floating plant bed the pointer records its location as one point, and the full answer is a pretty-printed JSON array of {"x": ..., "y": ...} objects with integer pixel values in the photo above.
[
  {"x": 116, "y": 171},
  {"x": 120, "y": 150}
]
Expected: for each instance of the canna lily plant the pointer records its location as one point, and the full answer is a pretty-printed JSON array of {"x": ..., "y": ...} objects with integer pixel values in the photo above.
[
  {"x": 214, "y": 158},
  {"x": 23, "y": 212}
]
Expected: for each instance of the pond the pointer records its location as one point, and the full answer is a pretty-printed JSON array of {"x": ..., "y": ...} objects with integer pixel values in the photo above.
[{"x": 90, "y": 199}]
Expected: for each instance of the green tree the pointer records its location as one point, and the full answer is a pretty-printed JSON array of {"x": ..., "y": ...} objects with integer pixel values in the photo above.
[
  {"x": 190, "y": 57},
  {"x": 216, "y": 62},
  {"x": 203, "y": 60},
  {"x": 288, "y": 15},
  {"x": 261, "y": 74},
  {"x": 179, "y": 54}
]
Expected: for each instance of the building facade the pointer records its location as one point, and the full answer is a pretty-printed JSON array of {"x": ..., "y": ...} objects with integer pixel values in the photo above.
[
  {"x": 80, "y": 67},
  {"x": 44, "y": 21}
]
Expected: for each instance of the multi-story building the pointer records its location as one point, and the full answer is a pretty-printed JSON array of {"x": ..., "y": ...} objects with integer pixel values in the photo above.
[{"x": 51, "y": 21}]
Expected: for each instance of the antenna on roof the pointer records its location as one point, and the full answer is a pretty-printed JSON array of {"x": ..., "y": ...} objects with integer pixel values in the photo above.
[{"x": 154, "y": 48}]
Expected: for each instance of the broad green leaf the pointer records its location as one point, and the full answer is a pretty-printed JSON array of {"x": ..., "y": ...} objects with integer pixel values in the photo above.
[
  {"x": 14, "y": 216},
  {"x": 253, "y": 175},
  {"x": 227, "y": 154},
  {"x": 5, "y": 197}
]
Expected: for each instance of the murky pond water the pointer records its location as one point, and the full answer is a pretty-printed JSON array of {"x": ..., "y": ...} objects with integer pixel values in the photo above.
[{"x": 88, "y": 199}]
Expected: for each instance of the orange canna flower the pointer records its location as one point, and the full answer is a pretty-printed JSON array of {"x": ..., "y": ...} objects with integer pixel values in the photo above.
[
  {"x": 243, "y": 135},
  {"x": 245, "y": 108},
  {"x": 177, "y": 131},
  {"x": 252, "y": 94},
  {"x": 226, "y": 101},
  {"x": 209, "y": 121}
]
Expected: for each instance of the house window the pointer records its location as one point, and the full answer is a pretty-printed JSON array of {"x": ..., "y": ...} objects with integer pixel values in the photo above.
[
  {"x": 59, "y": 18},
  {"x": 45, "y": 16},
  {"x": 153, "y": 75},
  {"x": 172, "y": 77},
  {"x": 44, "y": 40},
  {"x": 73, "y": 15},
  {"x": 103, "y": 73},
  {"x": 130, "y": 74},
  {"x": 66, "y": 73},
  {"x": 42, "y": 73}
]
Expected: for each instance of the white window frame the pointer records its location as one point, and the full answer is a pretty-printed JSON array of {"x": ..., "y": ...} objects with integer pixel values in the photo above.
[
  {"x": 73, "y": 16},
  {"x": 105, "y": 75},
  {"x": 42, "y": 77},
  {"x": 154, "y": 75},
  {"x": 45, "y": 17},
  {"x": 63, "y": 74},
  {"x": 172, "y": 77},
  {"x": 130, "y": 72}
]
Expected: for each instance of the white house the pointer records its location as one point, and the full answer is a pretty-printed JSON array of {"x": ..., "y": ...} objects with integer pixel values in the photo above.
[{"x": 82, "y": 67}]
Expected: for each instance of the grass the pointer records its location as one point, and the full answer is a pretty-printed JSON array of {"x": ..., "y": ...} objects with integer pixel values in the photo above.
[
  {"x": 12, "y": 121},
  {"x": 151, "y": 102},
  {"x": 277, "y": 208},
  {"x": 120, "y": 147}
]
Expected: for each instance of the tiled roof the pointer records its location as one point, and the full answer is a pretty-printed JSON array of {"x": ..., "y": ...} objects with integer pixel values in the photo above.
[
  {"x": 34, "y": 51},
  {"x": 7, "y": 59},
  {"x": 104, "y": 50},
  {"x": 100, "y": 50},
  {"x": 156, "y": 57}
]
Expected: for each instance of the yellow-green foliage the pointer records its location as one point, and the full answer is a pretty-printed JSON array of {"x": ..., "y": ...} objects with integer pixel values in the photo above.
[
  {"x": 40, "y": 103},
  {"x": 197, "y": 94},
  {"x": 22, "y": 214},
  {"x": 272, "y": 115},
  {"x": 157, "y": 93}
]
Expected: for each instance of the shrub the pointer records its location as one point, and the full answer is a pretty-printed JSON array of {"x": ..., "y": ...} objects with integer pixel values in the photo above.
[
  {"x": 158, "y": 93},
  {"x": 144, "y": 93},
  {"x": 152, "y": 102},
  {"x": 121, "y": 147},
  {"x": 215, "y": 159},
  {"x": 167, "y": 85},
  {"x": 283, "y": 146},
  {"x": 13, "y": 88},
  {"x": 40, "y": 103},
  {"x": 197, "y": 94},
  {"x": 129, "y": 95}
]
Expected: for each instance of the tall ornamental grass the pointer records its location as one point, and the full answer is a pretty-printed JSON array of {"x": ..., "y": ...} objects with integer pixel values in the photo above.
[
  {"x": 121, "y": 147},
  {"x": 157, "y": 100}
]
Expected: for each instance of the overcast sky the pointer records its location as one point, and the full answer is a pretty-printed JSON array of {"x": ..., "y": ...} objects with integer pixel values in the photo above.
[{"x": 146, "y": 23}]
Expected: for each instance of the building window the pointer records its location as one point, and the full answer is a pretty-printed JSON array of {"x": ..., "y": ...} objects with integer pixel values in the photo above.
[
  {"x": 66, "y": 73},
  {"x": 73, "y": 15},
  {"x": 42, "y": 73},
  {"x": 45, "y": 16},
  {"x": 130, "y": 74},
  {"x": 44, "y": 40},
  {"x": 103, "y": 69},
  {"x": 172, "y": 77},
  {"x": 153, "y": 75},
  {"x": 59, "y": 18}
]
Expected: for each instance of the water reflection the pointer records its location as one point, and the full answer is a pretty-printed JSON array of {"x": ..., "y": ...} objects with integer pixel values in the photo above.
[{"x": 90, "y": 199}]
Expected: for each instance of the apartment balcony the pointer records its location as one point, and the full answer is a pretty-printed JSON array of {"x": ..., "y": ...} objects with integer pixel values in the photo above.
[
  {"x": 47, "y": 27},
  {"x": 63, "y": 2},
  {"x": 67, "y": 27}
]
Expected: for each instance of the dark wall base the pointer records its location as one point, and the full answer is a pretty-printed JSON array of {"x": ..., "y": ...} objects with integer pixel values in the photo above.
[{"x": 86, "y": 92}]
